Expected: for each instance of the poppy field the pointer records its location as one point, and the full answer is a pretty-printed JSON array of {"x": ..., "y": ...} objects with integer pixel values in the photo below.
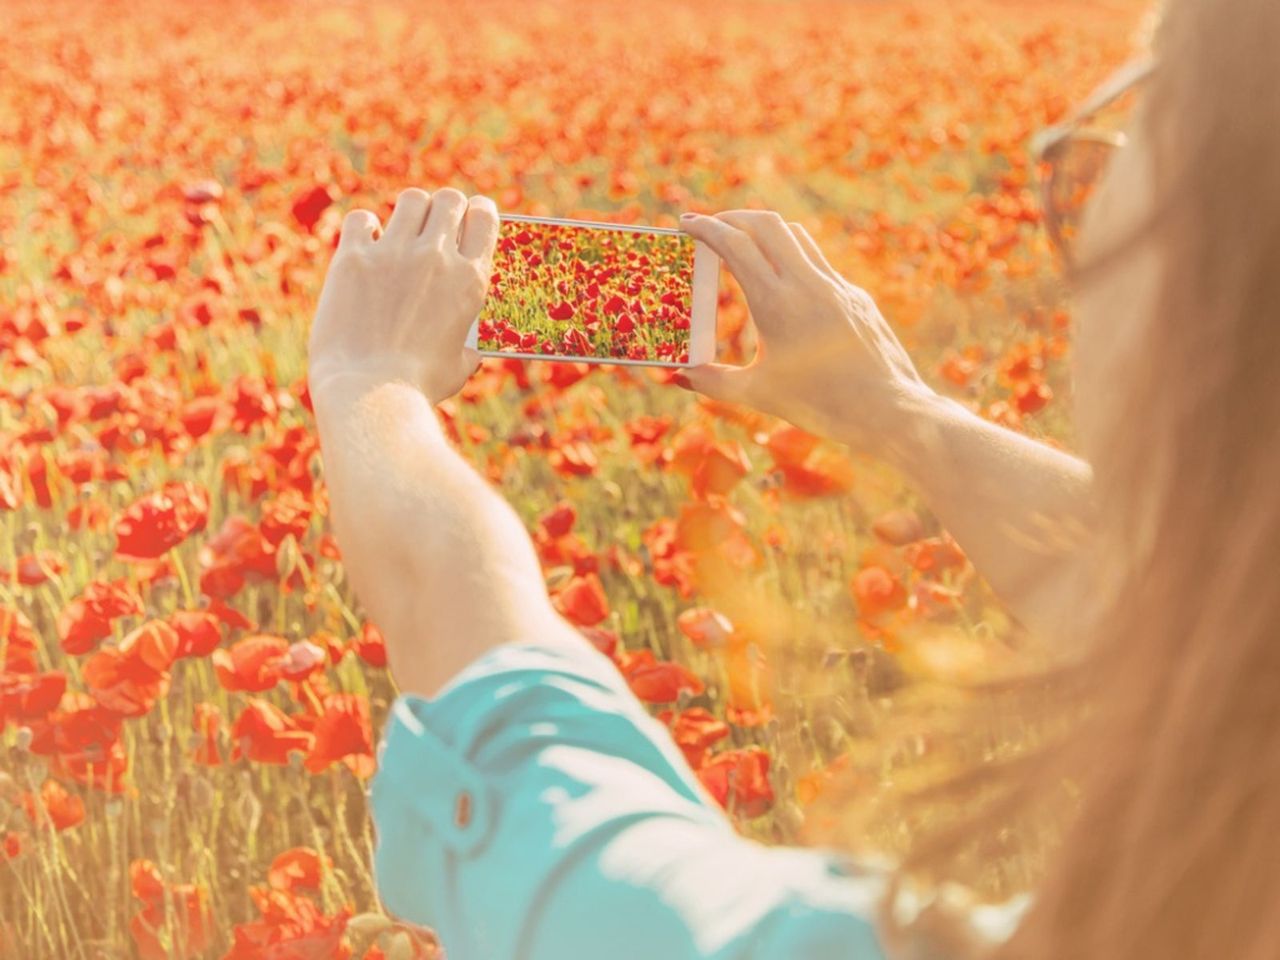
[
  {"x": 190, "y": 694},
  {"x": 563, "y": 291}
]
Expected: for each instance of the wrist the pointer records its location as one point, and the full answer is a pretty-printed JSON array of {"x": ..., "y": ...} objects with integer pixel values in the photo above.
[
  {"x": 927, "y": 423},
  {"x": 355, "y": 393},
  {"x": 343, "y": 375},
  {"x": 904, "y": 425}
]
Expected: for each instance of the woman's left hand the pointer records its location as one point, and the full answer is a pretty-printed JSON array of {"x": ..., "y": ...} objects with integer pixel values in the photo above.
[{"x": 399, "y": 305}]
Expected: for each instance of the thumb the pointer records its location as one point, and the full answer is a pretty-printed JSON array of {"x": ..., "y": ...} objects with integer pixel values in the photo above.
[{"x": 720, "y": 381}]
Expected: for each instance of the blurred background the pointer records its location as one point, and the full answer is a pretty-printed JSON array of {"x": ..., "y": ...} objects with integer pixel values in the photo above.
[{"x": 190, "y": 695}]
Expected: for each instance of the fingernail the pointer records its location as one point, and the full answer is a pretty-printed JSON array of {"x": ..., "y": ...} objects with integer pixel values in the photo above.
[
  {"x": 688, "y": 216},
  {"x": 680, "y": 380}
]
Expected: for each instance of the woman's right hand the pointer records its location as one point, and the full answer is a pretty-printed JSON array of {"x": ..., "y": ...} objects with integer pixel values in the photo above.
[{"x": 826, "y": 359}]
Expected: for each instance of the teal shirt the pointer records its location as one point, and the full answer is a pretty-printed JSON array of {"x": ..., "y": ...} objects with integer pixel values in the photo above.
[{"x": 533, "y": 809}]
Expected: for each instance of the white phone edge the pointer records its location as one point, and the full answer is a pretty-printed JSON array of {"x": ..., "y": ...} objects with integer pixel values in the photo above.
[{"x": 702, "y": 320}]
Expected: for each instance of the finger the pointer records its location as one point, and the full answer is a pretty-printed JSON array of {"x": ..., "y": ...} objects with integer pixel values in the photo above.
[
  {"x": 813, "y": 251},
  {"x": 719, "y": 381},
  {"x": 772, "y": 236},
  {"x": 406, "y": 219},
  {"x": 444, "y": 219},
  {"x": 738, "y": 251},
  {"x": 479, "y": 229},
  {"x": 358, "y": 228}
]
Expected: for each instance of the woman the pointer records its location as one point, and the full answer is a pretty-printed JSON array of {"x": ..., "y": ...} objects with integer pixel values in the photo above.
[{"x": 527, "y": 806}]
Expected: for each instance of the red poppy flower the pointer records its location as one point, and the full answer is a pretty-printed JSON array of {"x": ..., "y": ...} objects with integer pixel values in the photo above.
[
  {"x": 808, "y": 467},
  {"x": 370, "y": 646},
  {"x": 582, "y": 601},
  {"x": 199, "y": 632},
  {"x": 237, "y": 553},
  {"x": 302, "y": 659},
  {"x": 558, "y": 521},
  {"x": 157, "y": 522},
  {"x": 92, "y": 514},
  {"x": 606, "y": 641},
  {"x": 38, "y": 476},
  {"x": 576, "y": 343},
  {"x": 183, "y": 905},
  {"x": 118, "y": 686},
  {"x": 152, "y": 646},
  {"x": 292, "y": 928},
  {"x": 309, "y": 204},
  {"x": 332, "y": 646},
  {"x": 790, "y": 445},
  {"x": 1031, "y": 396},
  {"x": 19, "y": 639},
  {"x": 145, "y": 881},
  {"x": 329, "y": 547},
  {"x": 192, "y": 930},
  {"x": 646, "y": 434},
  {"x": 87, "y": 619},
  {"x": 289, "y": 513},
  {"x": 722, "y": 465},
  {"x": 343, "y": 732},
  {"x": 27, "y": 697},
  {"x": 78, "y": 726},
  {"x": 672, "y": 565},
  {"x": 55, "y": 806},
  {"x": 298, "y": 869},
  {"x": 739, "y": 780},
  {"x": 129, "y": 679},
  {"x": 877, "y": 591},
  {"x": 712, "y": 529},
  {"x": 10, "y": 848},
  {"x": 695, "y": 731},
  {"x": 707, "y": 628},
  {"x": 958, "y": 369},
  {"x": 265, "y": 734},
  {"x": 32, "y": 569},
  {"x": 253, "y": 664},
  {"x": 100, "y": 768},
  {"x": 562, "y": 376},
  {"x": 230, "y": 616},
  {"x": 934, "y": 554},
  {"x": 201, "y": 415},
  {"x": 688, "y": 446},
  {"x": 657, "y": 681}
]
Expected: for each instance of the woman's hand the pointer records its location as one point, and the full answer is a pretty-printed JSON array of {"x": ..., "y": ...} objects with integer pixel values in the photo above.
[
  {"x": 827, "y": 360},
  {"x": 399, "y": 305}
]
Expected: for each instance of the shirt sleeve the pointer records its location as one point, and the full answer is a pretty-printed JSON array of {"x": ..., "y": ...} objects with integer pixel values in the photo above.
[{"x": 533, "y": 809}]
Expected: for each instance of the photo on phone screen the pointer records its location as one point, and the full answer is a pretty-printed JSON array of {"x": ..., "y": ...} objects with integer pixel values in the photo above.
[{"x": 602, "y": 292}]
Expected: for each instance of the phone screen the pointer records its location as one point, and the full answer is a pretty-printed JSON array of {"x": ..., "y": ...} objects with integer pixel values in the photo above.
[{"x": 601, "y": 292}]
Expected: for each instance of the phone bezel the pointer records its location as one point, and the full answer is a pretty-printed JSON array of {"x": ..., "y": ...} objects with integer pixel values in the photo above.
[{"x": 704, "y": 300}]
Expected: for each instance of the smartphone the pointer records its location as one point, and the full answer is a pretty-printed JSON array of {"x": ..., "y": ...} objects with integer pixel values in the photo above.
[{"x": 599, "y": 292}]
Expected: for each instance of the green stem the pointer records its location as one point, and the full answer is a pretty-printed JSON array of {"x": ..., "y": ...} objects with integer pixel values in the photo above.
[{"x": 188, "y": 595}]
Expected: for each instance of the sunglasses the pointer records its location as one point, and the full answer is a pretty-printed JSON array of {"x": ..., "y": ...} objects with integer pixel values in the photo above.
[{"x": 1072, "y": 156}]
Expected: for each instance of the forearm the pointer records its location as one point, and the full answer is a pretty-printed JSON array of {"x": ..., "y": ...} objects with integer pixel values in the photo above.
[
  {"x": 1019, "y": 508},
  {"x": 438, "y": 559}
]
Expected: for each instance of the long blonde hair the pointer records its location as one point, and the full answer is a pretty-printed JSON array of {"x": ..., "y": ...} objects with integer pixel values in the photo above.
[{"x": 1172, "y": 844}]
